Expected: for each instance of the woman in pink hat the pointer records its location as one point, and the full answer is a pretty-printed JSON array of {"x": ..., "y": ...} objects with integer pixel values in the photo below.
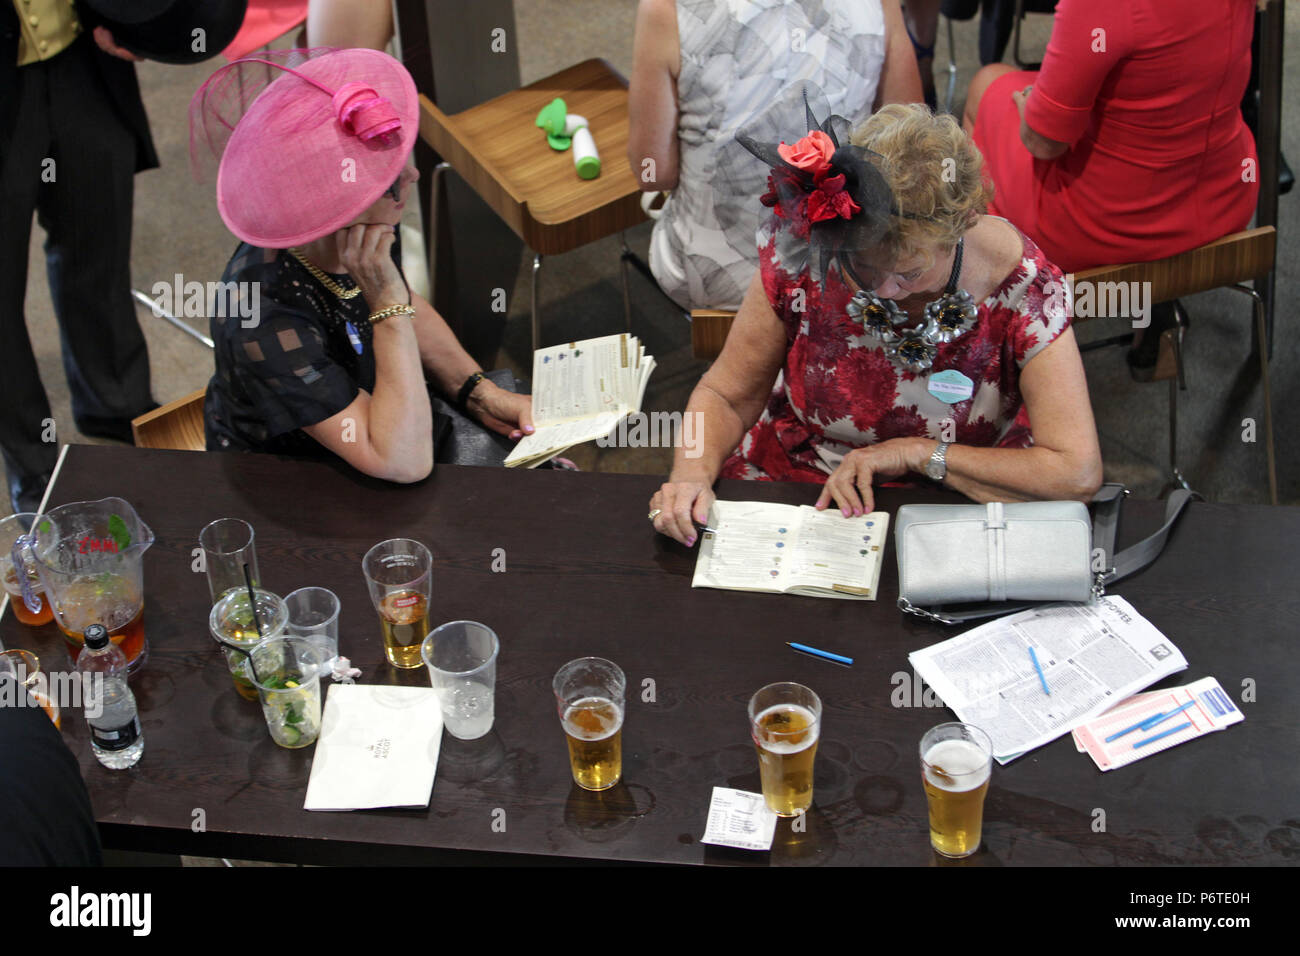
[{"x": 320, "y": 345}]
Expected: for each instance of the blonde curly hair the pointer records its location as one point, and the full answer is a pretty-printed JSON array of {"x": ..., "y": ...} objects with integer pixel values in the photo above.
[{"x": 934, "y": 170}]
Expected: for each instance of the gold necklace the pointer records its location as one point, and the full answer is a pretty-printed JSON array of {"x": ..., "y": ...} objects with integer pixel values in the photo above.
[{"x": 325, "y": 280}]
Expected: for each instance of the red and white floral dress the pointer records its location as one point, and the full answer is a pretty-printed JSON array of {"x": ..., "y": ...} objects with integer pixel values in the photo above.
[{"x": 838, "y": 390}]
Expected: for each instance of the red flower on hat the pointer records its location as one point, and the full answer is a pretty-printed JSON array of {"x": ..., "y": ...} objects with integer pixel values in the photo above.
[
  {"x": 812, "y": 154},
  {"x": 829, "y": 199}
]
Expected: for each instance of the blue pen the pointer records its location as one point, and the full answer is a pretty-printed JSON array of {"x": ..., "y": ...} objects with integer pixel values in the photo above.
[
  {"x": 827, "y": 655},
  {"x": 1161, "y": 718},
  {"x": 1038, "y": 667},
  {"x": 1143, "y": 743},
  {"x": 1147, "y": 723}
]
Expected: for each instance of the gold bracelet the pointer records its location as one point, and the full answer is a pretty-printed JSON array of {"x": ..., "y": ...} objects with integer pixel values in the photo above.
[{"x": 377, "y": 317}]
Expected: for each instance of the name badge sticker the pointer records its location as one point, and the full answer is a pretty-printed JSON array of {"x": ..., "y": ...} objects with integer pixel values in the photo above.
[{"x": 950, "y": 386}]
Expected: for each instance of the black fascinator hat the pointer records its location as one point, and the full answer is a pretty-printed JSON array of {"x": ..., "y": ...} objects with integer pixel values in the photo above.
[{"x": 830, "y": 192}]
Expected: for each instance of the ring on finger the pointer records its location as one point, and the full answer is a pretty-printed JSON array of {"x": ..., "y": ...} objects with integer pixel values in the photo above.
[{"x": 655, "y": 514}]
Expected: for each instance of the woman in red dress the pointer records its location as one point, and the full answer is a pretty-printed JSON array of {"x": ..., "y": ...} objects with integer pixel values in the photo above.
[
  {"x": 1129, "y": 144},
  {"x": 893, "y": 329}
]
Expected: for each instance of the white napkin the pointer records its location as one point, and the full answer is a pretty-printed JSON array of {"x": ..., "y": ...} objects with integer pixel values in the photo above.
[{"x": 378, "y": 747}]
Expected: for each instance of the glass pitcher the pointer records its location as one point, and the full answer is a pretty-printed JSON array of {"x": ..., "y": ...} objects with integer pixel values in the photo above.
[{"x": 89, "y": 557}]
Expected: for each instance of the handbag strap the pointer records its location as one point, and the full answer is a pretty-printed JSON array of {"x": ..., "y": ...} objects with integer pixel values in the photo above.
[{"x": 1105, "y": 524}]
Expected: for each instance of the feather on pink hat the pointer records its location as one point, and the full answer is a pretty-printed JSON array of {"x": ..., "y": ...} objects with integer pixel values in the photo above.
[{"x": 307, "y": 139}]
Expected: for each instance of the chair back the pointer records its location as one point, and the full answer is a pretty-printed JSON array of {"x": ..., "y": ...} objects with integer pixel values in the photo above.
[
  {"x": 177, "y": 425},
  {"x": 1239, "y": 257},
  {"x": 709, "y": 328}
]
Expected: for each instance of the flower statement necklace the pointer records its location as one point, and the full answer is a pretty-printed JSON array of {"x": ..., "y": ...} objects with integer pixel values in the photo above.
[{"x": 948, "y": 317}]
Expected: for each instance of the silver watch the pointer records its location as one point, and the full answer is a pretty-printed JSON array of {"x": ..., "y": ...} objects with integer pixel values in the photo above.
[{"x": 936, "y": 468}]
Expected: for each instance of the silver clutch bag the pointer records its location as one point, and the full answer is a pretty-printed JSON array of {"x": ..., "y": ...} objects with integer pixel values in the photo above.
[
  {"x": 1028, "y": 551},
  {"x": 999, "y": 553}
]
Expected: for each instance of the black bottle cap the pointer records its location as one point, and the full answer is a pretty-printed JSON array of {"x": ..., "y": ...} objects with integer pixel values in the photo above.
[{"x": 96, "y": 636}]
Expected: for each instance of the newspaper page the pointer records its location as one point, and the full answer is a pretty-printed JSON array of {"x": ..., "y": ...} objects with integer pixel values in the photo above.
[{"x": 1092, "y": 657}]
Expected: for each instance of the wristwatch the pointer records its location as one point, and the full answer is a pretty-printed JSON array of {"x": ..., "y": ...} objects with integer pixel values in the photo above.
[{"x": 936, "y": 468}]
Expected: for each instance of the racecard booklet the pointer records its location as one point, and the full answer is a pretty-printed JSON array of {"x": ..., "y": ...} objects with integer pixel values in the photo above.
[{"x": 581, "y": 391}]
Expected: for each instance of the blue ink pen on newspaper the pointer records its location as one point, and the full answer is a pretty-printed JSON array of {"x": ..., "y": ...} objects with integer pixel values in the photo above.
[
  {"x": 1038, "y": 667},
  {"x": 824, "y": 655}
]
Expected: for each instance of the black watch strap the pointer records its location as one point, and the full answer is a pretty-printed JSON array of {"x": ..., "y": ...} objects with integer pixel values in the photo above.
[{"x": 462, "y": 397}]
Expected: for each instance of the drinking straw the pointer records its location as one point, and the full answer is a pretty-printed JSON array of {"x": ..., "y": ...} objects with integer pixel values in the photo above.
[
  {"x": 252, "y": 599},
  {"x": 252, "y": 604}
]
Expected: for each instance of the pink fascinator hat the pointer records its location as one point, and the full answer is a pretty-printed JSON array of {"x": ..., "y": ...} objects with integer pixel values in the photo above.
[{"x": 307, "y": 140}]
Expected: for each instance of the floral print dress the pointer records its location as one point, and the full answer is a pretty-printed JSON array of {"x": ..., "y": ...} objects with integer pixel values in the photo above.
[{"x": 838, "y": 390}]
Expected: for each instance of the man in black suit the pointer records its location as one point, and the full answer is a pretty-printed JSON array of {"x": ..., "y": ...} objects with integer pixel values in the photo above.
[{"x": 73, "y": 133}]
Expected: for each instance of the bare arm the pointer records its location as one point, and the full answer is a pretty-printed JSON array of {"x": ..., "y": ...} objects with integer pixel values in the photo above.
[
  {"x": 900, "y": 78},
  {"x": 727, "y": 401},
  {"x": 652, "y": 96},
  {"x": 387, "y": 434},
  {"x": 1064, "y": 462},
  {"x": 350, "y": 23},
  {"x": 450, "y": 366},
  {"x": 1039, "y": 146}
]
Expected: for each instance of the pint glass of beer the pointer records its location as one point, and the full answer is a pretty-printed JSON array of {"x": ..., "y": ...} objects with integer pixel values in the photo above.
[
  {"x": 399, "y": 573},
  {"x": 785, "y": 722},
  {"x": 956, "y": 760},
  {"x": 589, "y": 698}
]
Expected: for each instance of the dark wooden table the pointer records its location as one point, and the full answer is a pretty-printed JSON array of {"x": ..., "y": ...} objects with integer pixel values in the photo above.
[{"x": 586, "y": 575}]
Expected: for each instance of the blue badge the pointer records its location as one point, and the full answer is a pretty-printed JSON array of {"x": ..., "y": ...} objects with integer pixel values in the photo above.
[
  {"x": 950, "y": 386},
  {"x": 354, "y": 338}
]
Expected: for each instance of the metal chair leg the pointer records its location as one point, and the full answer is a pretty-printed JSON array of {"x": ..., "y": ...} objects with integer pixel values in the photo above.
[
  {"x": 164, "y": 314},
  {"x": 536, "y": 312},
  {"x": 952, "y": 70},
  {"x": 627, "y": 294},
  {"x": 1015, "y": 49},
  {"x": 432, "y": 231},
  {"x": 1261, "y": 333}
]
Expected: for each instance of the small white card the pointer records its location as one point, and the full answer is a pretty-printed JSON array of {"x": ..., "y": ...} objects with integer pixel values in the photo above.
[
  {"x": 740, "y": 819},
  {"x": 378, "y": 747}
]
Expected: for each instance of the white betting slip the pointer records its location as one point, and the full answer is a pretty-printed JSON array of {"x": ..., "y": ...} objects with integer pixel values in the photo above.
[{"x": 740, "y": 819}]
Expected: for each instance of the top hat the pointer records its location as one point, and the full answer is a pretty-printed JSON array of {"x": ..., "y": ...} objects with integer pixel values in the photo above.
[{"x": 168, "y": 30}]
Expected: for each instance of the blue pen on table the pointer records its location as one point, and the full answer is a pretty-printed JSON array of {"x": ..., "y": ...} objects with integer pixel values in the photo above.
[
  {"x": 1161, "y": 718},
  {"x": 1147, "y": 723},
  {"x": 1143, "y": 743},
  {"x": 827, "y": 655},
  {"x": 1038, "y": 667}
]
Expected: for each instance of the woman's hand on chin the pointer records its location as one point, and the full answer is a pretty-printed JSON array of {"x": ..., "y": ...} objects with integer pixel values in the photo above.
[{"x": 365, "y": 249}]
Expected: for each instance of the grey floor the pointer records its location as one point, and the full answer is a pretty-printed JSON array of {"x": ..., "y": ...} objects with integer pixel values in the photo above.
[{"x": 177, "y": 230}]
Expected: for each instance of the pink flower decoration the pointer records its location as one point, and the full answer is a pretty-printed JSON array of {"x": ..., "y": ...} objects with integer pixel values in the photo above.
[{"x": 811, "y": 154}]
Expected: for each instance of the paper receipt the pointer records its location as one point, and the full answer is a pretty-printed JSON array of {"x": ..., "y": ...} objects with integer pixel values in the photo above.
[{"x": 740, "y": 819}]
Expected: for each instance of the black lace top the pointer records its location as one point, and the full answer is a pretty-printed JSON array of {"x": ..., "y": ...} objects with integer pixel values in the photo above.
[{"x": 289, "y": 353}]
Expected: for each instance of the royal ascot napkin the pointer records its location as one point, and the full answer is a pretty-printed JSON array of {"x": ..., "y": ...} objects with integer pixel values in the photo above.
[{"x": 378, "y": 747}]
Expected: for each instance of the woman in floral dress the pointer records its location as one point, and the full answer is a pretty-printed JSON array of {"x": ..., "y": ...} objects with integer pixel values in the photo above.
[{"x": 836, "y": 372}]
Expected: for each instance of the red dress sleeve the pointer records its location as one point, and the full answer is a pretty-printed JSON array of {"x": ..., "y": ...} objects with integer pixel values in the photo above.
[{"x": 1089, "y": 38}]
